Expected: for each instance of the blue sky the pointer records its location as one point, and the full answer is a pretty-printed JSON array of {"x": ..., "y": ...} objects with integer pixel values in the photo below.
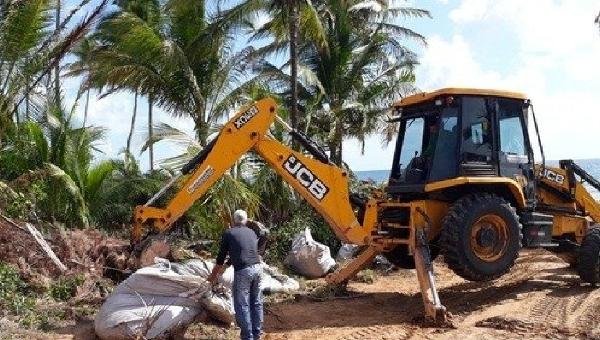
[{"x": 547, "y": 49}]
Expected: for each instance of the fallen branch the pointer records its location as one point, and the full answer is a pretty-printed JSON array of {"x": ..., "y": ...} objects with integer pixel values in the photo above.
[
  {"x": 45, "y": 247},
  {"x": 39, "y": 239}
]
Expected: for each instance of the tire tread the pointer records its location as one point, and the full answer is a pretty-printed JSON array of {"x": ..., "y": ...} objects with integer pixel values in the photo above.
[{"x": 452, "y": 229}]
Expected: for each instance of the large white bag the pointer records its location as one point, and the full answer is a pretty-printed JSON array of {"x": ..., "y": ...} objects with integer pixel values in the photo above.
[
  {"x": 309, "y": 257},
  {"x": 162, "y": 299},
  {"x": 157, "y": 301}
]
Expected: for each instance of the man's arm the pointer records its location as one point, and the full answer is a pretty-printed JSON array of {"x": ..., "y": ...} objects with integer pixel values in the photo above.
[{"x": 219, "y": 266}]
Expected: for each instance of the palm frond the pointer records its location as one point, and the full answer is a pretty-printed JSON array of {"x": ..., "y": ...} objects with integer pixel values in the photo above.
[{"x": 68, "y": 186}]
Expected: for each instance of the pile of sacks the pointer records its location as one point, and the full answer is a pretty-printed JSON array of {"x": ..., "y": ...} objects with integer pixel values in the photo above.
[{"x": 163, "y": 299}]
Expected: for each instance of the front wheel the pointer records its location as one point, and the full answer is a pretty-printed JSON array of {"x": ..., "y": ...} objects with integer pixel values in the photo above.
[{"x": 481, "y": 237}]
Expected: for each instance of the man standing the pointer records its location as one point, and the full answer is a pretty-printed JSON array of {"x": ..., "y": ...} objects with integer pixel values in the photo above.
[{"x": 241, "y": 244}]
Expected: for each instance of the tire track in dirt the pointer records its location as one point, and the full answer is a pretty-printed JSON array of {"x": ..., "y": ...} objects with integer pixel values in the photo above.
[
  {"x": 549, "y": 310},
  {"x": 378, "y": 332},
  {"x": 539, "y": 298},
  {"x": 577, "y": 313},
  {"x": 471, "y": 296},
  {"x": 589, "y": 317}
]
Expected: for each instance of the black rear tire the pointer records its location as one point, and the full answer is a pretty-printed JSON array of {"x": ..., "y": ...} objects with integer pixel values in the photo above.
[
  {"x": 481, "y": 237},
  {"x": 589, "y": 257}
]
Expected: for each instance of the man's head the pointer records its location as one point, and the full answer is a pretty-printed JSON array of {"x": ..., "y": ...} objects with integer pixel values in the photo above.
[
  {"x": 433, "y": 128},
  {"x": 240, "y": 217}
]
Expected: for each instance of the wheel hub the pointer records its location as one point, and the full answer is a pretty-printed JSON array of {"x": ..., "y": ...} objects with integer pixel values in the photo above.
[{"x": 489, "y": 237}]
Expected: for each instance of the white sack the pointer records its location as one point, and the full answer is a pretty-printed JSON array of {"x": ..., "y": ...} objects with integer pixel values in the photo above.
[
  {"x": 309, "y": 257},
  {"x": 161, "y": 299},
  {"x": 158, "y": 300},
  {"x": 347, "y": 251},
  {"x": 274, "y": 282}
]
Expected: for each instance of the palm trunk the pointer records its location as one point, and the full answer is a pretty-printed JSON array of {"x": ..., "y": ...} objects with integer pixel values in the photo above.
[
  {"x": 57, "y": 67},
  {"x": 27, "y": 99},
  {"x": 131, "y": 128},
  {"x": 335, "y": 142},
  {"x": 85, "y": 110},
  {"x": 8, "y": 75},
  {"x": 201, "y": 128},
  {"x": 293, "y": 6},
  {"x": 150, "y": 133}
]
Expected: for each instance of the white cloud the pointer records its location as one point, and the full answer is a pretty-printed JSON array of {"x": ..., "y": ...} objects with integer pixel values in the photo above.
[
  {"x": 470, "y": 10},
  {"x": 555, "y": 53}
]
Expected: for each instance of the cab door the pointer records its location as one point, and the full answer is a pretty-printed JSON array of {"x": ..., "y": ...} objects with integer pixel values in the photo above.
[
  {"x": 476, "y": 156},
  {"x": 515, "y": 157}
]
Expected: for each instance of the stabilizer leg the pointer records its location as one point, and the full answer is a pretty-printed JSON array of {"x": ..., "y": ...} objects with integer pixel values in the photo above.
[{"x": 431, "y": 300}]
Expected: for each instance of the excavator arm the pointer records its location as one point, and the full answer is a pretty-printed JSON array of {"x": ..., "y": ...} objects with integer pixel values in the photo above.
[{"x": 322, "y": 184}]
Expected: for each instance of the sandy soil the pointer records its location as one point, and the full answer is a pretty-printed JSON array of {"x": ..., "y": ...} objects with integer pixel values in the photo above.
[{"x": 540, "y": 298}]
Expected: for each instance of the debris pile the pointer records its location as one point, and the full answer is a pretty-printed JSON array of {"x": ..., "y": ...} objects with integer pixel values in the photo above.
[{"x": 87, "y": 253}]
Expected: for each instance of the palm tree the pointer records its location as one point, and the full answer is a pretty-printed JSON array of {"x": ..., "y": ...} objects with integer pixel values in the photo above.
[
  {"x": 185, "y": 64},
  {"x": 23, "y": 28},
  {"x": 57, "y": 66},
  {"x": 83, "y": 53},
  {"x": 293, "y": 6},
  {"x": 132, "y": 125},
  {"x": 150, "y": 132},
  {"x": 283, "y": 28},
  {"x": 29, "y": 50},
  {"x": 364, "y": 68},
  {"x": 52, "y": 155}
]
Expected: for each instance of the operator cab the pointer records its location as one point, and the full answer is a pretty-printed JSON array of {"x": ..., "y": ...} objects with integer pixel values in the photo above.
[{"x": 454, "y": 133}]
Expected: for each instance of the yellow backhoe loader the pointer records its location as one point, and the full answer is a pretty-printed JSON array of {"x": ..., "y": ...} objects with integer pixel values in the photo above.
[{"x": 463, "y": 183}]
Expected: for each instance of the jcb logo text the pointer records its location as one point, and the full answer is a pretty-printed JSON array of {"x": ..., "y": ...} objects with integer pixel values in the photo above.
[
  {"x": 314, "y": 185},
  {"x": 553, "y": 176},
  {"x": 245, "y": 117}
]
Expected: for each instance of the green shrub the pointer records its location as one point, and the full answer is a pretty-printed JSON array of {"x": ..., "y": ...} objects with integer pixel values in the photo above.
[
  {"x": 365, "y": 276},
  {"x": 65, "y": 288},
  {"x": 121, "y": 192},
  {"x": 282, "y": 236},
  {"x": 22, "y": 204},
  {"x": 13, "y": 291}
]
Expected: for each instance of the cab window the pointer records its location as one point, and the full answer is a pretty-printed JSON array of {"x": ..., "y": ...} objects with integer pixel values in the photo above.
[
  {"x": 512, "y": 138},
  {"x": 476, "y": 133},
  {"x": 412, "y": 144},
  {"x": 444, "y": 162}
]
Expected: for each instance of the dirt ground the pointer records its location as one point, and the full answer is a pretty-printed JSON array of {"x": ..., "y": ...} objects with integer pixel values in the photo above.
[{"x": 540, "y": 298}]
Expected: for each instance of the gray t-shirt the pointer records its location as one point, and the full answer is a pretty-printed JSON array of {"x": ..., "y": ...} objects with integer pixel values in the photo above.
[{"x": 241, "y": 244}]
